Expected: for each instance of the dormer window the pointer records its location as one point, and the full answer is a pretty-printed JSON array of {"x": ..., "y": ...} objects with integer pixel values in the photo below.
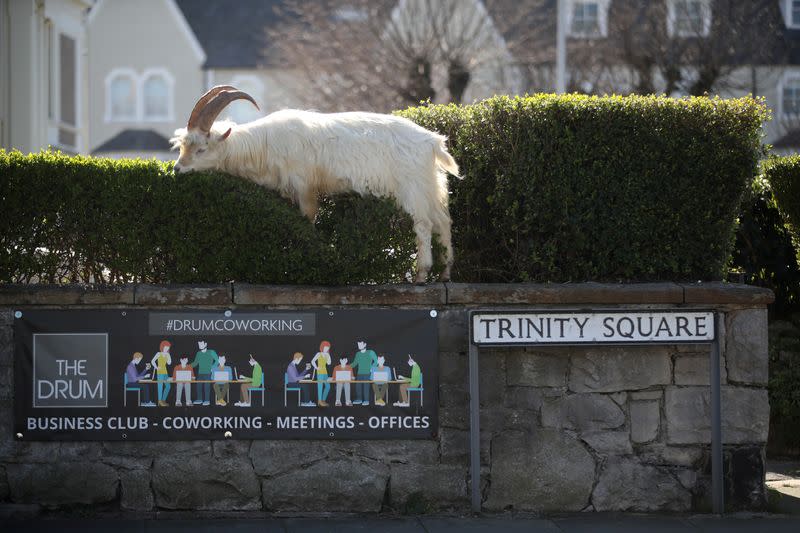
[
  {"x": 792, "y": 12},
  {"x": 587, "y": 18},
  {"x": 689, "y": 18}
]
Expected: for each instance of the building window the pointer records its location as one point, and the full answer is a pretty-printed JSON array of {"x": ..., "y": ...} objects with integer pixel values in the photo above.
[
  {"x": 122, "y": 96},
  {"x": 587, "y": 18},
  {"x": 242, "y": 111},
  {"x": 793, "y": 14},
  {"x": 139, "y": 97},
  {"x": 790, "y": 98},
  {"x": 156, "y": 97},
  {"x": 689, "y": 18}
]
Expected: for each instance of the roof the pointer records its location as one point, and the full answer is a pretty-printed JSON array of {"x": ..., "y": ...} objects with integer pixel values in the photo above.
[
  {"x": 131, "y": 140},
  {"x": 233, "y": 34}
]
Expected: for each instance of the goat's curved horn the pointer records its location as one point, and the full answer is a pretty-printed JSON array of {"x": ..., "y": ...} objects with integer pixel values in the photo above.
[
  {"x": 215, "y": 106},
  {"x": 201, "y": 103}
]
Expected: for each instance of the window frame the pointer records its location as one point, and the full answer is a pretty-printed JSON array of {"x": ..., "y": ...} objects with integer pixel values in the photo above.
[
  {"x": 787, "y": 78},
  {"x": 602, "y": 19},
  {"x": 705, "y": 13},
  {"x": 790, "y": 23},
  {"x": 243, "y": 80},
  {"x": 170, "y": 81}
]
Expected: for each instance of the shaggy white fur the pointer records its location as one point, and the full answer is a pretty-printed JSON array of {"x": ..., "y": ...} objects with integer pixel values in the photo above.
[{"x": 303, "y": 154}]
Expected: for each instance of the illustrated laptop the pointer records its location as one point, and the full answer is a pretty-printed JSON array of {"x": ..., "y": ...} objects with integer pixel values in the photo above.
[
  {"x": 220, "y": 375},
  {"x": 381, "y": 375},
  {"x": 343, "y": 375},
  {"x": 183, "y": 375}
]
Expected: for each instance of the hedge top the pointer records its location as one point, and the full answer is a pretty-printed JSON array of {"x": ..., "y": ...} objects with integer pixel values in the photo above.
[{"x": 556, "y": 188}]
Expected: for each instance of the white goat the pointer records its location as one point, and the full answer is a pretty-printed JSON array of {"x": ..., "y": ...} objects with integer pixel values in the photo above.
[{"x": 303, "y": 154}]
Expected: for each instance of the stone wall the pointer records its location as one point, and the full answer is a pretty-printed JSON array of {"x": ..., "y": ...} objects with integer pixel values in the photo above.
[{"x": 562, "y": 428}]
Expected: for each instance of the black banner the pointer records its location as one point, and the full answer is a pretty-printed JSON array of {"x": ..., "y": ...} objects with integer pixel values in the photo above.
[{"x": 187, "y": 374}]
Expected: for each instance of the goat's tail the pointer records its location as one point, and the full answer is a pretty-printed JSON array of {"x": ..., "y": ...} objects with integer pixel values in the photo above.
[{"x": 444, "y": 160}]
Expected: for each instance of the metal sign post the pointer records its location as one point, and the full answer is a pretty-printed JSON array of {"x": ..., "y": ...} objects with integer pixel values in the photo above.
[{"x": 499, "y": 328}]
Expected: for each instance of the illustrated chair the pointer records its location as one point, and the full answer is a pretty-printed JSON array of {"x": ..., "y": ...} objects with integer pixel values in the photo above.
[
  {"x": 262, "y": 389},
  {"x": 287, "y": 389},
  {"x": 416, "y": 389},
  {"x": 127, "y": 389}
]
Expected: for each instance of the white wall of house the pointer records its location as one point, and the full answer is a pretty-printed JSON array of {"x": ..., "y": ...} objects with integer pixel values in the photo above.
[
  {"x": 274, "y": 89},
  {"x": 145, "y": 47}
]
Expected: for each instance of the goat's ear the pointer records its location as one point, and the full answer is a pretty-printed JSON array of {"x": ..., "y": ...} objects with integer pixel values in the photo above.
[{"x": 225, "y": 135}]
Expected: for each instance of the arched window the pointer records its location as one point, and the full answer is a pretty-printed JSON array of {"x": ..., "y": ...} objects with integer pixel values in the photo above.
[
  {"x": 242, "y": 111},
  {"x": 121, "y": 95},
  {"x": 156, "y": 96}
]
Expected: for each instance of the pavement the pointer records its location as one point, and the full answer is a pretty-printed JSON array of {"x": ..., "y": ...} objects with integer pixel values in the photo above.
[{"x": 594, "y": 523}]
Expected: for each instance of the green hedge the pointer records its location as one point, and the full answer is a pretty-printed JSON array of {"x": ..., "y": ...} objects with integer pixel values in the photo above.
[
  {"x": 79, "y": 219},
  {"x": 555, "y": 188},
  {"x": 783, "y": 173},
  {"x": 573, "y": 188}
]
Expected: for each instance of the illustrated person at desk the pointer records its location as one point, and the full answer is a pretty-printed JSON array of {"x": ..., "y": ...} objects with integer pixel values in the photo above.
[
  {"x": 363, "y": 362},
  {"x": 343, "y": 375},
  {"x": 380, "y": 376},
  {"x": 204, "y": 359},
  {"x": 134, "y": 376},
  {"x": 222, "y": 375},
  {"x": 253, "y": 383},
  {"x": 294, "y": 375},
  {"x": 182, "y": 375},
  {"x": 412, "y": 382}
]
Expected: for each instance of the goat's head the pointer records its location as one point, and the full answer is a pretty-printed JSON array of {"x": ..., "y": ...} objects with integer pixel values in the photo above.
[{"x": 200, "y": 141}]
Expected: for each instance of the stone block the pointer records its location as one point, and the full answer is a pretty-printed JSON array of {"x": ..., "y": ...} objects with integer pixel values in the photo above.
[
  {"x": 4, "y": 490},
  {"x": 135, "y": 492},
  {"x": 62, "y": 483},
  {"x": 454, "y": 444},
  {"x": 352, "y": 485},
  {"x": 746, "y": 346},
  {"x": 745, "y": 415},
  {"x": 657, "y": 453},
  {"x": 614, "y": 369},
  {"x": 608, "y": 442},
  {"x": 746, "y": 470},
  {"x": 270, "y": 456},
  {"x": 454, "y": 369},
  {"x": 230, "y": 448},
  {"x": 183, "y": 295},
  {"x": 453, "y": 330},
  {"x": 453, "y": 396},
  {"x": 35, "y": 294},
  {"x": 716, "y": 293},
  {"x": 645, "y": 420},
  {"x": 570, "y": 293},
  {"x": 6, "y": 346},
  {"x": 76, "y": 451},
  {"x": 454, "y": 417},
  {"x": 148, "y": 450},
  {"x": 647, "y": 395},
  {"x": 582, "y": 412},
  {"x": 205, "y": 483},
  {"x": 524, "y": 398},
  {"x": 6, "y": 382},
  {"x": 437, "y": 485},
  {"x": 538, "y": 369},
  {"x": 693, "y": 369},
  {"x": 431, "y": 294},
  {"x": 6, "y": 316},
  {"x": 627, "y": 485},
  {"x": 387, "y": 451},
  {"x": 492, "y": 377},
  {"x": 539, "y": 472}
]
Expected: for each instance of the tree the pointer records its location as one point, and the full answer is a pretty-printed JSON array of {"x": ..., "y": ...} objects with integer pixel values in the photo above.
[{"x": 389, "y": 54}]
